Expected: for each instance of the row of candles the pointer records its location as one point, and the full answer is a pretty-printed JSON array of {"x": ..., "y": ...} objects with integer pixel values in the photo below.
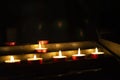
[
  {"x": 41, "y": 48},
  {"x": 57, "y": 58}
]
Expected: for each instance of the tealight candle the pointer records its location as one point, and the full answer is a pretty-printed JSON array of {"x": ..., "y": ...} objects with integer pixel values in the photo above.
[
  {"x": 43, "y": 42},
  {"x": 35, "y": 60},
  {"x": 96, "y": 54},
  {"x": 78, "y": 56},
  {"x": 59, "y": 58},
  {"x": 11, "y": 43},
  {"x": 12, "y": 60},
  {"x": 41, "y": 49}
]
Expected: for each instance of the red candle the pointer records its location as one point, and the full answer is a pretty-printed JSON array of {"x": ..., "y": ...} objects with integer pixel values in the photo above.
[
  {"x": 59, "y": 58},
  {"x": 35, "y": 60},
  {"x": 78, "y": 56},
  {"x": 11, "y": 43},
  {"x": 41, "y": 49},
  {"x": 43, "y": 42},
  {"x": 96, "y": 54}
]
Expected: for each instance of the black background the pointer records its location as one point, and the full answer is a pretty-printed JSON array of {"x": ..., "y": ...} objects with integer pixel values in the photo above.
[{"x": 81, "y": 20}]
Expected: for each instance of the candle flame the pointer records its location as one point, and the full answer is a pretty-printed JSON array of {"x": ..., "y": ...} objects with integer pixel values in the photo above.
[
  {"x": 96, "y": 50},
  {"x": 35, "y": 57},
  {"x": 11, "y": 58},
  {"x": 60, "y": 53},
  {"x": 79, "y": 51},
  {"x": 39, "y": 45}
]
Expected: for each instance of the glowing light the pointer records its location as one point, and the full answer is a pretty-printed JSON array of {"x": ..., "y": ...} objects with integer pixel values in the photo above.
[
  {"x": 59, "y": 55},
  {"x": 34, "y": 58},
  {"x": 79, "y": 53},
  {"x": 11, "y": 43},
  {"x": 78, "y": 56},
  {"x": 40, "y": 48},
  {"x": 12, "y": 60},
  {"x": 43, "y": 42},
  {"x": 39, "y": 45},
  {"x": 97, "y": 52}
]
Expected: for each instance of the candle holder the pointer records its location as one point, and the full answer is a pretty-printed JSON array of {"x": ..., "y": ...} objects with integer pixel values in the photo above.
[
  {"x": 78, "y": 56},
  {"x": 97, "y": 54},
  {"x": 35, "y": 60},
  {"x": 59, "y": 58}
]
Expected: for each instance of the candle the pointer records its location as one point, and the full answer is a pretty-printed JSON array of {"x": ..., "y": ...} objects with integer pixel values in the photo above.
[
  {"x": 35, "y": 60},
  {"x": 12, "y": 60},
  {"x": 43, "y": 42},
  {"x": 40, "y": 48},
  {"x": 78, "y": 56},
  {"x": 96, "y": 54},
  {"x": 11, "y": 43},
  {"x": 59, "y": 57}
]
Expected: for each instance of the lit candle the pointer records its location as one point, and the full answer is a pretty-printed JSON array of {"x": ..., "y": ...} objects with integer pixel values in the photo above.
[
  {"x": 12, "y": 60},
  {"x": 43, "y": 42},
  {"x": 78, "y": 56},
  {"x": 59, "y": 57},
  {"x": 96, "y": 54},
  {"x": 11, "y": 43},
  {"x": 40, "y": 48},
  {"x": 35, "y": 59}
]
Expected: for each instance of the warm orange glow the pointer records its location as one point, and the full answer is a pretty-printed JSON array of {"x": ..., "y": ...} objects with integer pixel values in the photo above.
[
  {"x": 39, "y": 45},
  {"x": 60, "y": 23},
  {"x": 57, "y": 45},
  {"x": 12, "y": 60},
  {"x": 97, "y": 52},
  {"x": 34, "y": 58},
  {"x": 43, "y": 42},
  {"x": 40, "y": 48},
  {"x": 59, "y": 55},
  {"x": 79, "y": 53},
  {"x": 10, "y": 43}
]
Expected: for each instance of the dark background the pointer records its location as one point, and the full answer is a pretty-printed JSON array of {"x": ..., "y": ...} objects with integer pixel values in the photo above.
[{"x": 31, "y": 20}]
